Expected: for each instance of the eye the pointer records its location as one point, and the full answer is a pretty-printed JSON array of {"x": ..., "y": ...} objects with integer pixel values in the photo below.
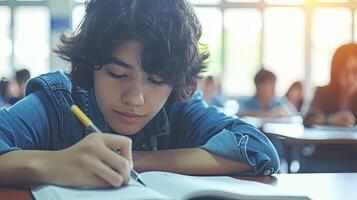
[
  {"x": 157, "y": 80},
  {"x": 116, "y": 76}
]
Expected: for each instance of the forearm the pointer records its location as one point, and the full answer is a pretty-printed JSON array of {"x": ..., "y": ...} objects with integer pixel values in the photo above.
[
  {"x": 194, "y": 161},
  {"x": 22, "y": 168},
  {"x": 317, "y": 118}
]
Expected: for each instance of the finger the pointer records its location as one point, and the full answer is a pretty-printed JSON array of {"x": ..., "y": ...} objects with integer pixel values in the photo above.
[
  {"x": 349, "y": 118},
  {"x": 99, "y": 182},
  {"x": 121, "y": 143},
  {"x": 90, "y": 180},
  {"x": 353, "y": 118},
  {"x": 351, "y": 123},
  {"x": 116, "y": 162},
  {"x": 107, "y": 174}
]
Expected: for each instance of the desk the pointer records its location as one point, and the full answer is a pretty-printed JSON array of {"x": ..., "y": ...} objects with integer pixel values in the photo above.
[
  {"x": 318, "y": 186},
  {"x": 293, "y": 134},
  {"x": 333, "y": 186},
  {"x": 14, "y": 194},
  {"x": 297, "y": 133}
]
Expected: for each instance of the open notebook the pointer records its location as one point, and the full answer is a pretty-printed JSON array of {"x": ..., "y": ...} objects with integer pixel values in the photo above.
[{"x": 164, "y": 185}]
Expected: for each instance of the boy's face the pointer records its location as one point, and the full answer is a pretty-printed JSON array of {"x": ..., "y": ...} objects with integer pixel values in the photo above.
[
  {"x": 128, "y": 97},
  {"x": 266, "y": 90}
]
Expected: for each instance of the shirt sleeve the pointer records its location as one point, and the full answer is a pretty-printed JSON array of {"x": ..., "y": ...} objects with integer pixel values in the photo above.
[
  {"x": 197, "y": 125},
  {"x": 25, "y": 125},
  {"x": 314, "y": 109}
]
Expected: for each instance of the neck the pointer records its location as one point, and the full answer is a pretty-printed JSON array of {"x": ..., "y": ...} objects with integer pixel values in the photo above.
[{"x": 264, "y": 102}]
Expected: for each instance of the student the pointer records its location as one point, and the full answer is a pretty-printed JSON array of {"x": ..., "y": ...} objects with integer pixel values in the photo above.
[
  {"x": 264, "y": 103},
  {"x": 22, "y": 76},
  {"x": 210, "y": 91},
  {"x": 135, "y": 66},
  {"x": 295, "y": 96},
  {"x": 335, "y": 103},
  {"x": 6, "y": 93}
]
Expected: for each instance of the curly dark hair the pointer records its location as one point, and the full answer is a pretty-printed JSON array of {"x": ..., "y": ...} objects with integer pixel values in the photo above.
[{"x": 168, "y": 29}]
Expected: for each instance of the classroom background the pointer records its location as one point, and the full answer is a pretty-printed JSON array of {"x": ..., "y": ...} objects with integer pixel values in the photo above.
[{"x": 292, "y": 40}]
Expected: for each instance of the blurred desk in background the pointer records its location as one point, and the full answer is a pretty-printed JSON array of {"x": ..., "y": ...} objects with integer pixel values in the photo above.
[
  {"x": 298, "y": 133},
  {"x": 259, "y": 122},
  {"x": 314, "y": 149}
]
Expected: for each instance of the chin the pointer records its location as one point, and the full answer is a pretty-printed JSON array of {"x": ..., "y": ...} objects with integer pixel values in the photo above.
[{"x": 127, "y": 131}]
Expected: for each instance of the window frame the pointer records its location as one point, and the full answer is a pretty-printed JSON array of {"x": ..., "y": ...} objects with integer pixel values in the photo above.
[{"x": 13, "y": 4}]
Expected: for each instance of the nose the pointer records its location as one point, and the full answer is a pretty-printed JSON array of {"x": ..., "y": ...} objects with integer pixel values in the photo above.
[{"x": 133, "y": 95}]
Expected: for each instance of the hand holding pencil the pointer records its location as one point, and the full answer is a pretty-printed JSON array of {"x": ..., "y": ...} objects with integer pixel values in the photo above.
[{"x": 127, "y": 154}]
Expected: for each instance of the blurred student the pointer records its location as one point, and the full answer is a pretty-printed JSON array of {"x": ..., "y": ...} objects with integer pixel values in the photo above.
[
  {"x": 264, "y": 103},
  {"x": 210, "y": 89},
  {"x": 335, "y": 104},
  {"x": 22, "y": 76},
  {"x": 295, "y": 96},
  {"x": 7, "y": 97}
]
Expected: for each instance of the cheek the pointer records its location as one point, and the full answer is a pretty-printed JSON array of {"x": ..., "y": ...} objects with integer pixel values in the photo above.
[
  {"x": 155, "y": 102},
  {"x": 104, "y": 92}
]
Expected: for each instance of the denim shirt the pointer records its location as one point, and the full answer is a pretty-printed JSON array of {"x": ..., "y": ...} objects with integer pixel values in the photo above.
[
  {"x": 43, "y": 121},
  {"x": 253, "y": 104}
]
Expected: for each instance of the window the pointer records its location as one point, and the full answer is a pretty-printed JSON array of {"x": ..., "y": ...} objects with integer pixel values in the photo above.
[
  {"x": 293, "y": 38},
  {"x": 284, "y": 47},
  {"x": 24, "y": 36},
  {"x": 285, "y": 1},
  {"x": 331, "y": 27},
  {"x": 206, "y": 2},
  {"x": 242, "y": 29},
  {"x": 32, "y": 39},
  {"x": 334, "y": 1},
  {"x": 211, "y": 21},
  {"x": 244, "y": 1},
  {"x": 77, "y": 15},
  {"x": 5, "y": 41}
]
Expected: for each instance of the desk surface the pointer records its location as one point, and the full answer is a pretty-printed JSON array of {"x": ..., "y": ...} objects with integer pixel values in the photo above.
[
  {"x": 298, "y": 133},
  {"x": 334, "y": 186}
]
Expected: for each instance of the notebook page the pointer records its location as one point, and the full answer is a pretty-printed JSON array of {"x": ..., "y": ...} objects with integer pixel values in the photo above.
[
  {"x": 131, "y": 192},
  {"x": 185, "y": 187}
]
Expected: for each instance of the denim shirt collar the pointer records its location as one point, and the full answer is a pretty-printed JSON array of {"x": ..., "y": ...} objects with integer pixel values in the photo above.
[{"x": 158, "y": 126}]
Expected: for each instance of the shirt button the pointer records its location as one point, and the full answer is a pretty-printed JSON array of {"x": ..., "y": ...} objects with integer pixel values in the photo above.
[{"x": 267, "y": 172}]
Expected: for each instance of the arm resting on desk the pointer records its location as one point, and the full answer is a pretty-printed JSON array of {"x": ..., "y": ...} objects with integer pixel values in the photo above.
[
  {"x": 194, "y": 161},
  {"x": 21, "y": 168},
  {"x": 341, "y": 118}
]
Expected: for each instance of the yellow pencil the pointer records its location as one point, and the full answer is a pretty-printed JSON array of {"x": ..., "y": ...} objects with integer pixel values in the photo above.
[{"x": 89, "y": 124}]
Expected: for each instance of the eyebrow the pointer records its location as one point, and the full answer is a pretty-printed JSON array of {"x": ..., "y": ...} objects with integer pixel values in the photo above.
[{"x": 117, "y": 61}]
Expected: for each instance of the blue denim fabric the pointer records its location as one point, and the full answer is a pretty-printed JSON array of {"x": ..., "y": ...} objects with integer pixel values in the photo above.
[
  {"x": 43, "y": 121},
  {"x": 253, "y": 104}
]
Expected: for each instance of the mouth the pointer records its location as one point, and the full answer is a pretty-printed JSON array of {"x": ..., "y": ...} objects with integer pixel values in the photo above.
[{"x": 127, "y": 117}]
